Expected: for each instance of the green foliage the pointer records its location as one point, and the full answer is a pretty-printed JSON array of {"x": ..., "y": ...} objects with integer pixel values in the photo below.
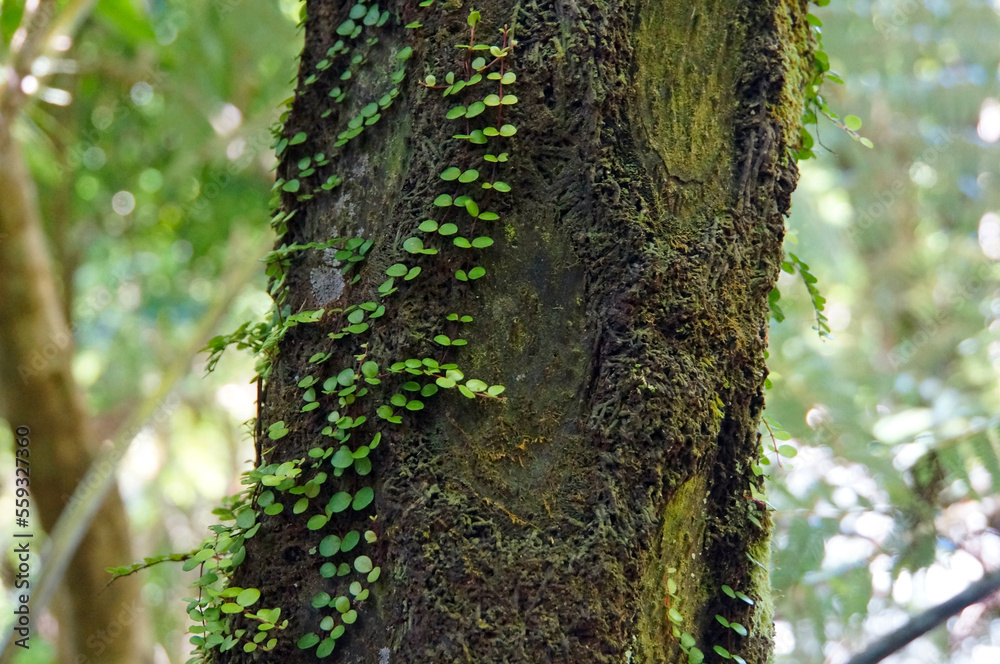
[
  {"x": 300, "y": 481},
  {"x": 815, "y": 101}
]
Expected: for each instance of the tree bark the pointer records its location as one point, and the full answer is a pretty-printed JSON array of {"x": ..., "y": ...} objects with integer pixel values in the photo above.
[{"x": 624, "y": 308}]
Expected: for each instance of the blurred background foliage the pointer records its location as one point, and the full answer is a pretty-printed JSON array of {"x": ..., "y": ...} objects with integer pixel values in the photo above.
[
  {"x": 891, "y": 505},
  {"x": 148, "y": 141}
]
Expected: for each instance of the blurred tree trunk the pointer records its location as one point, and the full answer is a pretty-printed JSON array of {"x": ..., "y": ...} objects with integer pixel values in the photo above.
[
  {"x": 624, "y": 308},
  {"x": 37, "y": 390}
]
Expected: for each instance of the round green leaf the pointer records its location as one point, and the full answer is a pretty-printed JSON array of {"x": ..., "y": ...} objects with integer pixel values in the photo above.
[
  {"x": 852, "y": 122},
  {"x": 248, "y": 597},
  {"x": 475, "y": 108},
  {"x": 482, "y": 242},
  {"x": 326, "y": 647},
  {"x": 316, "y": 522},
  {"x": 428, "y": 226},
  {"x": 307, "y": 641},
  {"x": 340, "y": 501},
  {"x": 469, "y": 176},
  {"x": 351, "y": 540},
  {"x": 450, "y": 173},
  {"x": 444, "y": 200},
  {"x": 363, "y": 498},
  {"x": 363, "y": 564},
  {"x": 329, "y": 546},
  {"x": 396, "y": 270},
  {"x": 448, "y": 229}
]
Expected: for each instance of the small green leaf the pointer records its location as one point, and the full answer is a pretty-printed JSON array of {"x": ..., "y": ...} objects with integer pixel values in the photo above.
[
  {"x": 501, "y": 186},
  {"x": 470, "y": 175},
  {"x": 443, "y": 340},
  {"x": 444, "y": 200},
  {"x": 404, "y": 54},
  {"x": 455, "y": 113},
  {"x": 329, "y": 546},
  {"x": 787, "y": 451},
  {"x": 450, "y": 173},
  {"x": 508, "y": 130},
  {"x": 852, "y": 122},
  {"x": 414, "y": 245},
  {"x": 489, "y": 216},
  {"x": 508, "y": 78},
  {"x": 675, "y": 616},
  {"x": 721, "y": 652},
  {"x": 476, "y": 385},
  {"x": 495, "y": 390},
  {"x": 396, "y": 270},
  {"x": 414, "y": 271},
  {"x": 448, "y": 229},
  {"x": 248, "y": 597},
  {"x": 307, "y": 641},
  {"x": 351, "y": 540},
  {"x": 340, "y": 501},
  {"x": 492, "y": 100},
  {"x": 429, "y": 226},
  {"x": 722, "y": 621},
  {"x": 363, "y": 564},
  {"x": 474, "y": 18},
  {"x": 729, "y": 591},
  {"x": 363, "y": 498},
  {"x": 475, "y": 108},
  {"x": 476, "y": 272},
  {"x": 316, "y": 522},
  {"x": 482, "y": 242},
  {"x": 462, "y": 242},
  {"x": 298, "y": 138},
  {"x": 461, "y": 275}
]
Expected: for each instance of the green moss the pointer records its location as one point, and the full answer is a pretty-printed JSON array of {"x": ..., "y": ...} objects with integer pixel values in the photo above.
[
  {"x": 678, "y": 547},
  {"x": 683, "y": 105}
]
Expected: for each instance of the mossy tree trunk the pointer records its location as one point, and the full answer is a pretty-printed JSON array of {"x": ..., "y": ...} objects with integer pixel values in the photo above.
[{"x": 624, "y": 307}]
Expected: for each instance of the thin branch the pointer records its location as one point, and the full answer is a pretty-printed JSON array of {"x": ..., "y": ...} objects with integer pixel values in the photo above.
[{"x": 928, "y": 620}]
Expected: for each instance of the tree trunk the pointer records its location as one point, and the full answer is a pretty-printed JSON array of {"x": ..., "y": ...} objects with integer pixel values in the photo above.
[
  {"x": 624, "y": 307},
  {"x": 37, "y": 391}
]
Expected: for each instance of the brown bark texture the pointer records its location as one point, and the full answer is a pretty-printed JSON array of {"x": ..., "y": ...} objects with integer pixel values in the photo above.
[{"x": 624, "y": 308}]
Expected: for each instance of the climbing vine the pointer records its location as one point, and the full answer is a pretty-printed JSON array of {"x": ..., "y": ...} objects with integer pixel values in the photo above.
[{"x": 333, "y": 478}]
